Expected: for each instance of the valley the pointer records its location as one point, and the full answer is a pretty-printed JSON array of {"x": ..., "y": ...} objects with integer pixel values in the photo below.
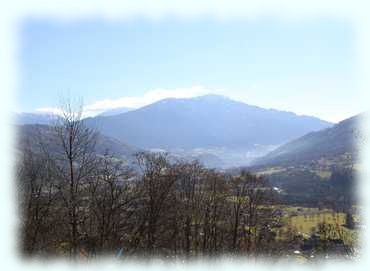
[{"x": 296, "y": 188}]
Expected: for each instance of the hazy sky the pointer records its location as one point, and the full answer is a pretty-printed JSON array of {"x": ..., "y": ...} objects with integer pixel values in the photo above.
[{"x": 307, "y": 67}]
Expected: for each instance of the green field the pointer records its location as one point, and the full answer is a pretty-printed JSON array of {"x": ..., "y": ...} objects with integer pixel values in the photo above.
[
  {"x": 269, "y": 171},
  {"x": 306, "y": 220},
  {"x": 324, "y": 174}
]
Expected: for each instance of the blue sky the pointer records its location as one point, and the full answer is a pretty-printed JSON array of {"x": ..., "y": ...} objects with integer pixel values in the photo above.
[{"x": 307, "y": 67}]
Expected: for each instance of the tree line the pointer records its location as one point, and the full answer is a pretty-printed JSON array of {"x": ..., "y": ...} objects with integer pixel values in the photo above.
[{"x": 76, "y": 202}]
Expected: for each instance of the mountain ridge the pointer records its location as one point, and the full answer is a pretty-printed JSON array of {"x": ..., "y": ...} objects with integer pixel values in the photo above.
[
  {"x": 328, "y": 143},
  {"x": 205, "y": 121},
  {"x": 32, "y": 134}
]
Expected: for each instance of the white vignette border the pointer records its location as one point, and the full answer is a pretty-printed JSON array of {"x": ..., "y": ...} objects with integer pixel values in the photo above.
[{"x": 14, "y": 11}]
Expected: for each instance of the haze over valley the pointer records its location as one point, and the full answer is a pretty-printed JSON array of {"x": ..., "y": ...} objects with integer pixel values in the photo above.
[{"x": 218, "y": 131}]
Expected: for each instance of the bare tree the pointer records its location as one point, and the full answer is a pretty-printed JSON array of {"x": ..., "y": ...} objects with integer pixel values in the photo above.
[
  {"x": 238, "y": 190},
  {"x": 189, "y": 193},
  {"x": 75, "y": 158},
  {"x": 112, "y": 196},
  {"x": 155, "y": 184},
  {"x": 36, "y": 183}
]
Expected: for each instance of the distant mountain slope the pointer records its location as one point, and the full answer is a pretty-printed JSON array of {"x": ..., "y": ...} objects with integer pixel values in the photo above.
[
  {"x": 115, "y": 111},
  {"x": 32, "y": 134},
  {"x": 329, "y": 144},
  {"x": 33, "y": 118},
  {"x": 206, "y": 121}
]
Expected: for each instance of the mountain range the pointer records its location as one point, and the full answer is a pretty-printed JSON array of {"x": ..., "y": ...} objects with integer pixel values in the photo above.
[
  {"x": 330, "y": 143},
  {"x": 218, "y": 131},
  {"x": 34, "y": 134},
  {"x": 296, "y": 153},
  {"x": 205, "y": 122},
  {"x": 115, "y": 111},
  {"x": 33, "y": 118}
]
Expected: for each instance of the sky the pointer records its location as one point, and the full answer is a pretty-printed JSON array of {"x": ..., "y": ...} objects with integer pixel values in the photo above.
[{"x": 307, "y": 67}]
